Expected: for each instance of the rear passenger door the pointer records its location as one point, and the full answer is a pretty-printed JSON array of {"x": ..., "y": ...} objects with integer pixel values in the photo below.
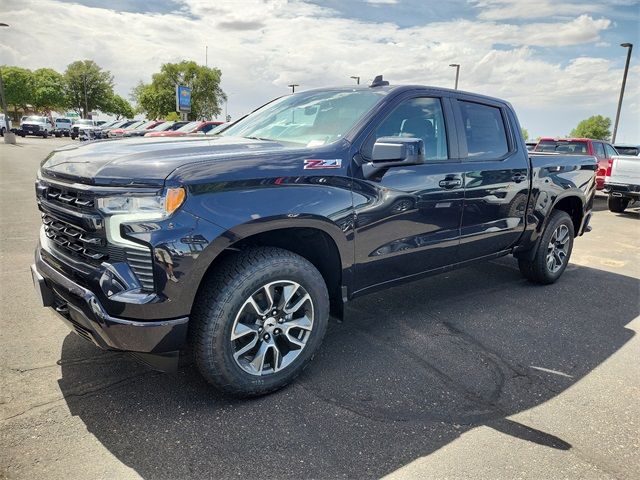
[{"x": 496, "y": 177}]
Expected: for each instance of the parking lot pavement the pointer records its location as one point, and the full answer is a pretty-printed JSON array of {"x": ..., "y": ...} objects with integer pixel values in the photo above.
[{"x": 472, "y": 374}]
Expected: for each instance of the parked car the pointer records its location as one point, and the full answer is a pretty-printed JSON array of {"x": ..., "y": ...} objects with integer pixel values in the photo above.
[
  {"x": 119, "y": 132},
  {"x": 35, "y": 125},
  {"x": 622, "y": 183},
  {"x": 3, "y": 124},
  {"x": 629, "y": 150},
  {"x": 140, "y": 130},
  {"x": 62, "y": 126},
  {"x": 83, "y": 127},
  {"x": 603, "y": 151},
  {"x": 163, "y": 130},
  {"x": 103, "y": 131},
  {"x": 239, "y": 245},
  {"x": 190, "y": 128}
]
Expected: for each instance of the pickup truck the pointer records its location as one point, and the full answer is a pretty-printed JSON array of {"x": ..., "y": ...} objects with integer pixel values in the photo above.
[
  {"x": 36, "y": 125},
  {"x": 602, "y": 150},
  {"x": 62, "y": 126},
  {"x": 236, "y": 247},
  {"x": 622, "y": 183}
]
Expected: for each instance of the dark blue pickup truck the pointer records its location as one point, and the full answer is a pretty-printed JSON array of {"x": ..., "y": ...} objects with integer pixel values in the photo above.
[{"x": 239, "y": 245}]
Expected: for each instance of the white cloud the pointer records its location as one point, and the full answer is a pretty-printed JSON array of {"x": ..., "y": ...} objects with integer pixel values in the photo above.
[
  {"x": 535, "y": 9},
  {"x": 261, "y": 47}
]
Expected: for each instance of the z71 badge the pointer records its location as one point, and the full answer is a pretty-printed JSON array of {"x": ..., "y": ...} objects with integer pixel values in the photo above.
[{"x": 319, "y": 164}]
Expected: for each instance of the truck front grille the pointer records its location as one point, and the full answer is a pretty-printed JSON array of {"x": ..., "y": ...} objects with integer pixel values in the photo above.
[
  {"x": 74, "y": 241},
  {"x": 76, "y": 230}
]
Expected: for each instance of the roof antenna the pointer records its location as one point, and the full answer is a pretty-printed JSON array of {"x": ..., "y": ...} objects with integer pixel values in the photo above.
[{"x": 378, "y": 82}]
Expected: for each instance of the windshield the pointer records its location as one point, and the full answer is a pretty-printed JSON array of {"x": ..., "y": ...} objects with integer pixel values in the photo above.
[
  {"x": 63, "y": 120},
  {"x": 562, "y": 146},
  {"x": 161, "y": 127},
  {"x": 144, "y": 125},
  {"x": 84, "y": 122},
  {"x": 188, "y": 127},
  {"x": 309, "y": 118}
]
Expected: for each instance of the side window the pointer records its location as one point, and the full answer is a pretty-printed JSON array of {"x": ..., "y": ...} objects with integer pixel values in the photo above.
[
  {"x": 485, "y": 131},
  {"x": 599, "y": 149},
  {"x": 418, "y": 118},
  {"x": 610, "y": 150}
]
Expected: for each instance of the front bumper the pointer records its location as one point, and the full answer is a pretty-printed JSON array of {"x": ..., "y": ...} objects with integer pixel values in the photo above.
[{"x": 156, "y": 343}]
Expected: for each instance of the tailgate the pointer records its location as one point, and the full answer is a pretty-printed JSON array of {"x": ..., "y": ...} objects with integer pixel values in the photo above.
[{"x": 625, "y": 170}]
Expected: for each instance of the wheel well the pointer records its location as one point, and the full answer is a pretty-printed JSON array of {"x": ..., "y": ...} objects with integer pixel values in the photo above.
[
  {"x": 573, "y": 206},
  {"x": 310, "y": 243}
]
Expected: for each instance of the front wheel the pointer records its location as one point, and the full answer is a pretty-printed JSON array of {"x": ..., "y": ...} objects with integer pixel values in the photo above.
[
  {"x": 617, "y": 204},
  {"x": 554, "y": 250},
  {"x": 258, "y": 320}
]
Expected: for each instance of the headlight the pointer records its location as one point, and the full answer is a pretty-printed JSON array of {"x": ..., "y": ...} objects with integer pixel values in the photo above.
[
  {"x": 153, "y": 205},
  {"x": 122, "y": 209}
]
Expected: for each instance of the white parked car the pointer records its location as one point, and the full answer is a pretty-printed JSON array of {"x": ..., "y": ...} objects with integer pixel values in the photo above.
[
  {"x": 622, "y": 182},
  {"x": 35, "y": 125},
  {"x": 83, "y": 128},
  {"x": 3, "y": 126}
]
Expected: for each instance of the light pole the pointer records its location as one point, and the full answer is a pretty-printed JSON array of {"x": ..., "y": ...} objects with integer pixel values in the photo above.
[
  {"x": 457, "y": 65},
  {"x": 293, "y": 87},
  {"x": 357, "y": 79},
  {"x": 9, "y": 136},
  {"x": 629, "y": 46}
]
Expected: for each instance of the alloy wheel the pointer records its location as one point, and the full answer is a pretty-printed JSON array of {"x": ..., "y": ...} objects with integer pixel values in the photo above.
[
  {"x": 558, "y": 248},
  {"x": 272, "y": 327}
]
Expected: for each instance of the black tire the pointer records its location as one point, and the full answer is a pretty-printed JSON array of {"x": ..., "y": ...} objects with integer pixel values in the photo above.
[
  {"x": 617, "y": 204},
  {"x": 220, "y": 299},
  {"x": 23, "y": 135},
  {"x": 538, "y": 270},
  {"x": 73, "y": 137},
  {"x": 45, "y": 134},
  {"x": 2, "y": 132},
  {"x": 58, "y": 134}
]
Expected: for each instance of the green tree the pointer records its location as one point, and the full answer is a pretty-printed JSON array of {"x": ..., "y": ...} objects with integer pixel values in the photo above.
[
  {"x": 172, "y": 117},
  {"x": 18, "y": 87},
  {"x": 48, "y": 90},
  {"x": 525, "y": 133},
  {"x": 119, "y": 107},
  {"x": 596, "y": 127},
  {"x": 88, "y": 87},
  {"x": 158, "y": 98}
]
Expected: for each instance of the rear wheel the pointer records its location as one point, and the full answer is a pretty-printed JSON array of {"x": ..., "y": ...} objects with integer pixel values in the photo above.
[
  {"x": 554, "y": 251},
  {"x": 258, "y": 321},
  {"x": 617, "y": 204},
  {"x": 45, "y": 134}
]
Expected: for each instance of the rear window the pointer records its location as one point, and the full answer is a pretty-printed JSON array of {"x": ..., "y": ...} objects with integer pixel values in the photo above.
[
  {"x": 561, "y": 146},
  {"x": 63, "y": 120},
  {"x": 485, "y": 131},
  {"x": 633, "y": 151}
]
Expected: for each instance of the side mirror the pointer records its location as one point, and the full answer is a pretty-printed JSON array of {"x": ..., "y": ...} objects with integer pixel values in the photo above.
[{"x": 392, "y": 151}]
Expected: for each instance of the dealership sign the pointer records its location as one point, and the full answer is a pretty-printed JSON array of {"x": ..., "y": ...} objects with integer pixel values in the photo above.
[{"x": 183, "y": 98}]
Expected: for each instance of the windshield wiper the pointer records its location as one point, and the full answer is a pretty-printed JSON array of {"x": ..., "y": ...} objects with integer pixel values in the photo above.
[{"x": 259, "y": 138}]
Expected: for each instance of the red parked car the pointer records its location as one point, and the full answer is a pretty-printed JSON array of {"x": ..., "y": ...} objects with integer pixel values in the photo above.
[
  {"x": 602, "y": 150},
  {"x": 191, "y": 127}
]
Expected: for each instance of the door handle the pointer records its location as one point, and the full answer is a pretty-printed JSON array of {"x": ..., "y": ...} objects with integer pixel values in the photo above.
[
  {"x": 451, "y": 182},
  {"x": 519, "y": 177}
]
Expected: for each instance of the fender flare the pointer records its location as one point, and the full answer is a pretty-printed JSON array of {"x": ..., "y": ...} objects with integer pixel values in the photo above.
[{"x": 237, "y": 233}]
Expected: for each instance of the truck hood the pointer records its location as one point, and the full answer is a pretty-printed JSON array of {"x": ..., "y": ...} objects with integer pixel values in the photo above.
[{"x": 148, "y": 161}]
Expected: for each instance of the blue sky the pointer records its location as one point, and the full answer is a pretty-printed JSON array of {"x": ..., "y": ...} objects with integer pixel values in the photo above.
[{"x": 557, "y": 62}]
